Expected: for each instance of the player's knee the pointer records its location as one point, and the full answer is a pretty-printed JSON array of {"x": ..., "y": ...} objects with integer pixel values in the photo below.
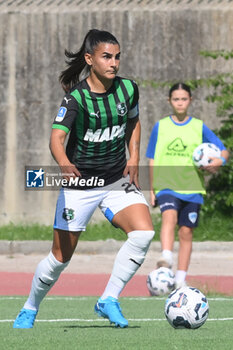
[
  {"x": 141, "y": 239},
  {"x": 185, "y": 233}
]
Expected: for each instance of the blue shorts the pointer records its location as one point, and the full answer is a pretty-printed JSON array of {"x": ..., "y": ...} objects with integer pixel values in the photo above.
[{"x": 188, "y": 212}]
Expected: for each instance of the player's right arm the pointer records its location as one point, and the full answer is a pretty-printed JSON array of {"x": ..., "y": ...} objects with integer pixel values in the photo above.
[
  {"x": 57, "y": 141},
  {"x": 61, "y": 127}
]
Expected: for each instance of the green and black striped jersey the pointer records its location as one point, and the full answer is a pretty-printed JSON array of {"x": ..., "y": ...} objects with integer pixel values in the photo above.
[{"x": 97, "y": 124}]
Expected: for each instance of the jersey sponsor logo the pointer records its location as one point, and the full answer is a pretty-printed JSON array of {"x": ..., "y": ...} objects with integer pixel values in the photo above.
[
  {"x": 121, "y": 108},
  {"x": 193, "y": 217},
  {"x": 177, "y": 145},
  {"x": 108, "y": 134},
  {"x": 61, "y": 114}
]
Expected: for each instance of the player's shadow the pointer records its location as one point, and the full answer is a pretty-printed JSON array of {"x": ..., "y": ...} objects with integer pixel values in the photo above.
[{"x": 95, "y": 326}]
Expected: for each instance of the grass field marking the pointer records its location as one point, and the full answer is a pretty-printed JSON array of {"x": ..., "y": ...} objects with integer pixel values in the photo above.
[
  {"x": 122, "y": 298},
  {"x": 165, "y": 298},
  {"x": 105, "y": 320},
  {"x": 220, "y": 319}
]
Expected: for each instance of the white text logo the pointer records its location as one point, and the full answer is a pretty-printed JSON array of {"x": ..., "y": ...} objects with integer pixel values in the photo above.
[{"x": 105, "y": 135}]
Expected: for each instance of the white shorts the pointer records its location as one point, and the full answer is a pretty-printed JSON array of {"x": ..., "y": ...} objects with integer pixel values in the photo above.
[{"x": 75, "y": 207}]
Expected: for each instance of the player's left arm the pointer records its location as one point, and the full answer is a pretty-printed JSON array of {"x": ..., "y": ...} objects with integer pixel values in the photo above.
[
  {"x": 133, "y": 135},
  {"x": 216, "y": 163}
]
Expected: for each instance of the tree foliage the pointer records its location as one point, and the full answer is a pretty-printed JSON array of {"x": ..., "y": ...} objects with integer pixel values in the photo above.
[{"x": 220, "y": 186}]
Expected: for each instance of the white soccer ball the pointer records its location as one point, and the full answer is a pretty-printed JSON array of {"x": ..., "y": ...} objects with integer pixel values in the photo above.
[
  {"x": 202, "y": 154},
  {"x": 186, "y": 307},
  {"x": 160, "y": 281}
]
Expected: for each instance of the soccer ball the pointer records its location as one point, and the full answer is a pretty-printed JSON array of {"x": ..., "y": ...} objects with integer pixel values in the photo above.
[
  {"x": 186, "y": 307},
  {"x": 160, "y": 281},
  {"x": 202, "y": 153}
]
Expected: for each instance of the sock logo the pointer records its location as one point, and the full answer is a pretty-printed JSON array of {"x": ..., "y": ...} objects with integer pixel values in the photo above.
[
  {"x": 47, "y": 284},
  {"x": 135, "y": 262}
]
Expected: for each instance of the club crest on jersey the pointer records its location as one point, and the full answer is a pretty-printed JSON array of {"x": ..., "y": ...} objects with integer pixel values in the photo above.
[
  {"x": 121, "y": 108},
  {"x": 68, "y": 214},
  {"x": 193, "y": 217},
  {"x": 61, "y": 114}
]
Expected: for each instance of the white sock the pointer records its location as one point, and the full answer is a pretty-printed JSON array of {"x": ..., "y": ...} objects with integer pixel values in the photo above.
[
  {"x": 129, "y": 258},
  {"x": 111, "y": 290},
  {"x": 180, "y": 275},
  {"x": 47, "y": 273},
  {"x": 168, "y": 256}
]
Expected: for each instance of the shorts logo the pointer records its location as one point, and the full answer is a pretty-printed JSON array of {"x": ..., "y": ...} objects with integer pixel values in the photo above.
[
  {"x": 193, "y": 217},
  {"x": 68, "y": 214},
  {"x": 61, "y": 114},
  {"x": 121, "y": 108},
  {"x": 167, "y": 204},
  {"x": 35, "y": 178}
]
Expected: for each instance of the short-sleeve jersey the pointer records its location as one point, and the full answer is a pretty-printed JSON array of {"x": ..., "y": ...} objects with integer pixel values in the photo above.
[{"x": 97, "y": 124}]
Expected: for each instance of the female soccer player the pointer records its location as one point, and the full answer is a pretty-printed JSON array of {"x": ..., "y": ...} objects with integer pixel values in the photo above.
[
  {"x": 100, "y": 114},
  {"x": 178, "y": 185}
]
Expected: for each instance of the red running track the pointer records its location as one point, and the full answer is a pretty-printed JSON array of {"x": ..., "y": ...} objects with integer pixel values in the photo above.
[{"x": 13, "y": 283}]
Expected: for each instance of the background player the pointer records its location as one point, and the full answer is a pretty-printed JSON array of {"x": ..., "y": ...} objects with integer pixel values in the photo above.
[
  {"x": 174, "y": 179},
  {"x": 101, "y": 113}
]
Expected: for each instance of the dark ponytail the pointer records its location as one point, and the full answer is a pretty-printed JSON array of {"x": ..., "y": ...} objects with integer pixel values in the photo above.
[
  {"x": 76, "y": 61},
  {"x": 180, "y": 86}
]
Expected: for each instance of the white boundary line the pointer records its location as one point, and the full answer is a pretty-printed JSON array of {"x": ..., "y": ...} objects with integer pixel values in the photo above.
[
  {"x": 103, "y": 320},
  {"x": 80, "y": 298}
]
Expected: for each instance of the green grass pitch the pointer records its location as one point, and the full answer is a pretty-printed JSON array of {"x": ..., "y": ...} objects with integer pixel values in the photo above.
[{"x": 70, "y": 323}]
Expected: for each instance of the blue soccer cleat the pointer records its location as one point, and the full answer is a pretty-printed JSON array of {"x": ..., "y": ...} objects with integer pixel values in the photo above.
[
  {"x": 110, "y": 308},
  {"x": 25, "y": 319}
]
